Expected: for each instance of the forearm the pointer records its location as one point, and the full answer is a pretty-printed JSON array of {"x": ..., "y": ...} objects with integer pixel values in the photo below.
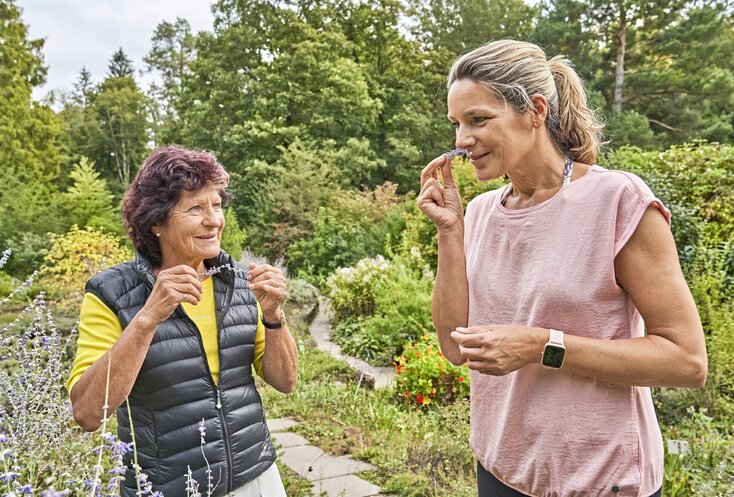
[
  {"x": 124, "y": 360},
  {"x": 653, "y": 361},
  {"x": 450, "y": 305},
  {"x": 280, "y": 360}
]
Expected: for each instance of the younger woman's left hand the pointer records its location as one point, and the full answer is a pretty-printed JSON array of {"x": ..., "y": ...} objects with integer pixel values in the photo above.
[
  {"x": 270, "y": 288},
  {"x": 498, "y": 349}
]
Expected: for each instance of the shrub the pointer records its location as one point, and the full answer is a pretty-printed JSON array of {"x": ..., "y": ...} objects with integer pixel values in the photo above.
[
  {"x": 233, "y": 237},
  {"x": 79, "y": 254},
  {"x": 423, "y": 375},
  {"x": 379, "y": 304},
  {"x": 708, "y": 467},
  {"x": 350, "y": 227}
]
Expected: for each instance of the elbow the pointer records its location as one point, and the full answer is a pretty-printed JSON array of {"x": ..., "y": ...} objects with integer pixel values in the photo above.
[
  {"x": 699, "y": 374},
  {"x": 696, "y": 373},
  {"x": 84, "y": 418},
  {"x": 455, "y": 359}
]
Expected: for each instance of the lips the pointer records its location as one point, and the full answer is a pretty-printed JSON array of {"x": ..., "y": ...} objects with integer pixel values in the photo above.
[
  {"x": 210, "y": 236},
  {"x": 475, "y": 158}
]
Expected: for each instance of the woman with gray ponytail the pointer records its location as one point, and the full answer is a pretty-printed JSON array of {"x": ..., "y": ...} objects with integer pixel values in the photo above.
[{"x": 561, "y": 291}]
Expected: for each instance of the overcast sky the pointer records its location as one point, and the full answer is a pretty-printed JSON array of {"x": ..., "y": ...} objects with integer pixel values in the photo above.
[{"x": 87, "y": 32}]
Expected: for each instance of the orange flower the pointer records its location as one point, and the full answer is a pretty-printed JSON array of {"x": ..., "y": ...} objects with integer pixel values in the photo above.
[
  {"x": 407, "y": 394},
  {"x": 433, "y": 392},
  {"x": 398, "y": 368},
  {"x": 461, "y": 379}
]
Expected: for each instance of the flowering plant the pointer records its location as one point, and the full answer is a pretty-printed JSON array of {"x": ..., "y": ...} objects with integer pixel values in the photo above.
[{"x": 424, "y": 375}]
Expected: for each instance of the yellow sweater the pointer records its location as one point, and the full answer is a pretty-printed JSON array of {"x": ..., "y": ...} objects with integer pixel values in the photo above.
[{"x": 99, "y": 329}]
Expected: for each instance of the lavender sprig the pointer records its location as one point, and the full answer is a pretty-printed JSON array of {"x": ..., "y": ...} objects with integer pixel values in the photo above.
[
  {"x": 457, "y": 152},
  {"x": 218, "y": 269}
]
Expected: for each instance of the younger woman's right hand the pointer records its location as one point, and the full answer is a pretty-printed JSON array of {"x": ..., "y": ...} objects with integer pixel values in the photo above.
[{"x": 442, "y": 204}]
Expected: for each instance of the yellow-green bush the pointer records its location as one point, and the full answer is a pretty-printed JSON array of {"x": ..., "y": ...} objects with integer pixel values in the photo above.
[{"x": 77, "y": 255}]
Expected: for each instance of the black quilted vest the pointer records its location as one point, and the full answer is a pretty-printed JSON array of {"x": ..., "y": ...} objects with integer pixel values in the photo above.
[{"x": 174, "y": 390}]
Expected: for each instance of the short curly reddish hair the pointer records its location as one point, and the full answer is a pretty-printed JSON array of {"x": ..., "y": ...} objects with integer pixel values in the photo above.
[{"x": 164, "y": 175}]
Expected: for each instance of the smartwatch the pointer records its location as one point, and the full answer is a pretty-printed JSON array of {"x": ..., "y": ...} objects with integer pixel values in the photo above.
[
  {"x": 274, "y": 326},
  {"x": 554, "y": 352}
]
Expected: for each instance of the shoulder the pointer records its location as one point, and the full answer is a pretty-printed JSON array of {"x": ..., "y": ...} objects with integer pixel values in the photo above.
[
  {"x": 623, "y": 183},
  {"x": 110, "y": 284}
]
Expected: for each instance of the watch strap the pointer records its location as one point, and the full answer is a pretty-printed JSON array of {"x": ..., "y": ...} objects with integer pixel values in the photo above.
[
  {"x": 556, "y": 337},
  {"x": 276, "y": 325}
]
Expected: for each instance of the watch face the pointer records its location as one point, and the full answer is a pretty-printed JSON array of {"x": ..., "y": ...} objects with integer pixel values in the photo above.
[{"x": 553, "y": 356}]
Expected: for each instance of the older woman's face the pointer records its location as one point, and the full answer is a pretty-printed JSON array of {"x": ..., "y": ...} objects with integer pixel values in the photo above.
[{"x": 193, "y": 231}]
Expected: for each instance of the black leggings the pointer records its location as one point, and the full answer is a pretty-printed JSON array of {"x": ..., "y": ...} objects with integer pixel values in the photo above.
[{"x": 489, "y": 486}]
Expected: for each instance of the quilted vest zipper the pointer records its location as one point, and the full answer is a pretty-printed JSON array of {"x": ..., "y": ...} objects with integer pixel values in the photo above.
[{"x": 217, "y": 397}]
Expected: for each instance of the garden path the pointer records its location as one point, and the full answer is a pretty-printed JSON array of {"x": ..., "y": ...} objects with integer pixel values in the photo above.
[
  {"x": 372, "y": 376},
  {"x": 330, "y": 475}
]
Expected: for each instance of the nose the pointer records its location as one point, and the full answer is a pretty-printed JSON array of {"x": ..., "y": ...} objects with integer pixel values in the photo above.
[
  {"x": 464, "y": 138},
  {"x": 214, "y": 217}
]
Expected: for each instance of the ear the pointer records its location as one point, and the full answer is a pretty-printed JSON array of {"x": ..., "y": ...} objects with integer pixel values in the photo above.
[{"x": 539, "y": 109}]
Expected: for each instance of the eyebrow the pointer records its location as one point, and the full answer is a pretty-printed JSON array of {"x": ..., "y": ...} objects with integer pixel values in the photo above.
[{"x": 474, "y": 112}]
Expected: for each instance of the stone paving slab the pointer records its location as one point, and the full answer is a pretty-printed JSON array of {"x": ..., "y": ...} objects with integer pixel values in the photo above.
[
  {"x": 345, "y": 486},
  {"x": 314, "y": 464},
  {"x": 287, "y": 439},
  {"x": 280, "y": 424}
]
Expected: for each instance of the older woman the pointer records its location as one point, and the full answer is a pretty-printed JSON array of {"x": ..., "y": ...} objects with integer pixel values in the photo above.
[
  {"x": 562, "y": 291},
  {"x": 170, "y": 339}
]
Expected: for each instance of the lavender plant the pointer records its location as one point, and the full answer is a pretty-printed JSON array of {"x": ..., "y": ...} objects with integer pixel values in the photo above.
[{"x": 457, "y": 152}]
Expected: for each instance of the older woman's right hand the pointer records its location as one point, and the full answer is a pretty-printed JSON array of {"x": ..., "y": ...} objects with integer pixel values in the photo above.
[
  {"x": 441, "y": 203},
  {"x": 173, "y": 286}
]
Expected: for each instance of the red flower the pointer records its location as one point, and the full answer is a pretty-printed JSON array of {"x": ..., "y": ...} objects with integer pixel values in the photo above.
[
  {"x": 419, "y": 399},
  {"x": 398, "y": 368},
  {"x": 461, "y": 379},
  {"x": 407, "y": 394}
]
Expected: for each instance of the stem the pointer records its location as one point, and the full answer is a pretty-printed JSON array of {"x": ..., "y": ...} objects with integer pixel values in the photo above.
[
  {"x": 135, "y": 448},
  {"x": 103, "y": 428}
]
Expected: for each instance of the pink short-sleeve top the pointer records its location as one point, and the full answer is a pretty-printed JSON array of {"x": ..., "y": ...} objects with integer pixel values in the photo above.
[{"x": 548, "y": 433}]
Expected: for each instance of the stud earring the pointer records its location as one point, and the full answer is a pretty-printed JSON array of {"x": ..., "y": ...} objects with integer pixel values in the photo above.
[{"x": 158, "y": 235}]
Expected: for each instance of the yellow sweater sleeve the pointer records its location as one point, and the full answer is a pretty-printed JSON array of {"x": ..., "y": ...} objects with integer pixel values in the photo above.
[
  {"x": 99, "y": 329},
  {"x": 257, "y": 361}
]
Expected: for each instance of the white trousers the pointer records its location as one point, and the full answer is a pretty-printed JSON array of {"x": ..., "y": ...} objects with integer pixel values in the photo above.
[{"x": 267, "y": 484}]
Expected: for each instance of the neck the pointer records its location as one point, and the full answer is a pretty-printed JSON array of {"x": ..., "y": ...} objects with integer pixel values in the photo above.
[{"x": 539, "y": 177}]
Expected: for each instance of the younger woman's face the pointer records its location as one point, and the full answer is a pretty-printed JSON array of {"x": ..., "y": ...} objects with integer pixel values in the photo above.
[{"x": 498, "y": 137}]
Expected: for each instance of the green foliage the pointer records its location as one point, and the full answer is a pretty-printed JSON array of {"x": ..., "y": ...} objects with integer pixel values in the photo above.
[
  {"x": 88, "y": 202},
  {"x": 29, "y": 249},
  {"x": 423, "y": 375},
  {"x": 79, "y": 254},
  {"x": 350, "y": 227},
  {"x": 708, "y": 466},
  {"x": 379, "y": 304},
  {"x": 426, "y": 453},
  {"x": 629, "y": 128},
  {"x": 233, "y": 237}
]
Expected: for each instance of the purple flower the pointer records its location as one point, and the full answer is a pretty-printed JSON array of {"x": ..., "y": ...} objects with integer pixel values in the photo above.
[
  {"x": 8, "y": 476},
  {"x": 26, "y": 490},
  {"x": 457, "y": 152}
]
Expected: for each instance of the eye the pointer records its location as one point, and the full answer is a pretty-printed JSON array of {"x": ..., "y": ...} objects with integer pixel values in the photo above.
[
  {"x": 217, "y": 206},
  {"x": 195, "y": 208},
  {"x": 455, "y": 125},
  {"x": 480, "y": 119}
]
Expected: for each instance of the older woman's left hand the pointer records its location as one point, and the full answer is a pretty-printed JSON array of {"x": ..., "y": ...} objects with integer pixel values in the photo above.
[
  {"x": 270, "y": 288},
  {"x": 500, "y": 349}
]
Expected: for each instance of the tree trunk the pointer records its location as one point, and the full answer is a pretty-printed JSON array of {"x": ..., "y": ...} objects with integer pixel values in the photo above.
[{"x": 619, "y": 71}]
